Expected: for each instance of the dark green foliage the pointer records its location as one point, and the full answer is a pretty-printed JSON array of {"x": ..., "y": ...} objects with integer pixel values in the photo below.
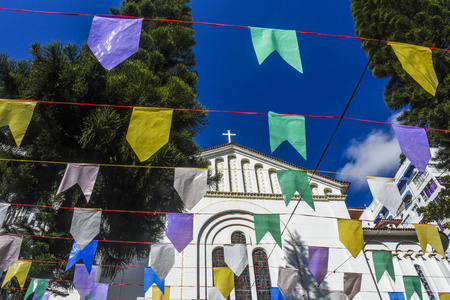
[
  {"x": 160, "y": 74},
  {"x": 419, "y": 22}
]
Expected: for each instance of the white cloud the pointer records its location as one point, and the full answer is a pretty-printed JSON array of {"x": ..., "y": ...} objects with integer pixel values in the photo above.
[
  {"x": 393, "y": 118},
  {"x": 377, "y": 155}
]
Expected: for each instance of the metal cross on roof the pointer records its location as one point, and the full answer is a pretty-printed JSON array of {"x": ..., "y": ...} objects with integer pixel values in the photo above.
[{"x": 229, "y": 135}]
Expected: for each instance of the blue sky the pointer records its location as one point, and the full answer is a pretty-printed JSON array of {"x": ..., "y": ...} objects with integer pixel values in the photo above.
[{"x": 231, "y": 79}]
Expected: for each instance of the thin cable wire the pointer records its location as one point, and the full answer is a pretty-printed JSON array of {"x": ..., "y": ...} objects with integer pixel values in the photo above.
[
  {"x": 220, "y": 111},
  {"x": 202, "y": 23}
]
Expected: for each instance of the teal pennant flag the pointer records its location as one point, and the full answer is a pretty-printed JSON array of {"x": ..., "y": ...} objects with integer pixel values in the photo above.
[
  {"x": 38, "y": 287},
  {"x": 267, "y": 223},
  {"x": 382, "y": 261},
  {"x": 412, "y": 284},
  {"x": 287, "y": 128},
  {"x": 267, "y": 40},
  {"x": 292, "y": 181}
]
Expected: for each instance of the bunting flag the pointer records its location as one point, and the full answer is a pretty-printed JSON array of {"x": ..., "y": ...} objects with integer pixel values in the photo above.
[
  {"x": 396, "y": 296},
  {"x": 338, "y": 296},
  {"x": 158, "y": 295},
  {"x": 318, "y": 262},
  {"x": 179, "y": 229},
  {"x": 149, "y": 130},
  {"x": 224, "y": 280},
  {"x": 267, "y": 223},
  {"x": 287, "y": 280},
  {"x": 82, "y": 280},
  {"x": 46, "y": 296},
  {"x": 417, "y": 61},
  {"x": 382, "y": 261},
  {"x": 19, "y": 269},
  {"x": 351, "y": 235},
  {"x": 83, "y": 174},
  {"x": 191, "y": 185},
  {"x": 214, "y": 294},
  {"x": 3, "y": 210},
  {"x": 162, "y": 259},
  {"x": 9, "y": 250},
  {"x": 275, "y": 294},
  {"x": 267, "y": 40},
  {"x": 414, "y": 145},
  {"x": 85, "y": 225},
  {"x": 17, "y": 115},
  {"x": 428, "y": 234},
  {"x": 38, "y": 287},
  {"x": 412, "y": 284},
  {"x": 235, "y": 257},
  {"x": 287, "y": 128},
  {"x": 386, "y": 192},
  {"x": 99, "y": 291},
  {"x": 150, "y": 278},
  {"x": 352, "y": 284},
  {"x": 87, "y": 255},
  {"x": 444, "y": 296},
  {"x": 291, "y": 181},
  {"x": 114, "y": 39}
]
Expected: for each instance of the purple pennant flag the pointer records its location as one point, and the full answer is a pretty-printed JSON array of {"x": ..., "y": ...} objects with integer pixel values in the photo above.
[
  {"x": 46, "y": 296},
  {"x": 99, "y": 291},
  {"x": 114, "y": 39},
  {"x": 414, "y": 144},
  {"x": 318, "y": 262},
  {"x": 179, "y": 229},
  {"x": 82, "y": 280}
]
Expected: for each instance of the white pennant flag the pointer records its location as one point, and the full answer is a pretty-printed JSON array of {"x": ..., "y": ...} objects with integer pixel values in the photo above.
[
  {"x": 162, "y": 259},
  {"x": 3, "y": 210},
  {"x": 287, "y": 279},
  {"x": 83, "y": 174},
  {"x": 236, "y": 257},
  {"x": 9, "y": 250},
  {"x": 85, "y": 225},
  {"x": 386, "y": 192},
  {"x": 214, "y": 294},
  {"x": 191, "y": 185}
]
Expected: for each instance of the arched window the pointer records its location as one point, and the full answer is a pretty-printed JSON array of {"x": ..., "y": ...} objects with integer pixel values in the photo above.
[
  {"x": 218, "y": 260},
  {"x": 262, "y": 274},
  {"x": 242, "y": 285},
  {"x": 424, "y": 282}
]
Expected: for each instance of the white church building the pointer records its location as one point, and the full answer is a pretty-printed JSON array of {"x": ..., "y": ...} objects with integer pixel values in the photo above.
[{"x": 249, "y": 185}]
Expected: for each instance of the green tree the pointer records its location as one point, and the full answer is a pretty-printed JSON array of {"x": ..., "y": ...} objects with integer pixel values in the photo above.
[
  {"x": 160, "y": 74},
  {"x": 419, "y": 22}
]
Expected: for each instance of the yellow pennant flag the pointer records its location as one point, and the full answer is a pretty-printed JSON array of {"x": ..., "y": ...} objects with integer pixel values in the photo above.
[
  {"x": 158, "y": 295},
  {"x": 224, "y": 280},
  {"x": 351, "y": 235},
  {"x": 149, "y": 130},
  {"x": 17, "y": 115},
  {"x": 418, "y": 62},
  {"x": 444, "y": 296},
  {"x": 428, "y": 234},
  {"x": 19, "y": 269}
]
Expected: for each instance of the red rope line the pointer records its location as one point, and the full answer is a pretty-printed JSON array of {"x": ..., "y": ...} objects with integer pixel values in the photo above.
[
  {"x": 221, "y": 111},
  {"x": 201, "y": 23}
]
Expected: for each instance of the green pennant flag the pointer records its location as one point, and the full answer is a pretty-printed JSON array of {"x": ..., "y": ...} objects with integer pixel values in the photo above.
[
  {"x": 287, "y": 128},
  {"x": 383, "y": 262},
  {"x": 412, "y": 284},
  {"x": 292, "y": 181},
  {"x": 267, "y": 40},
  {"x": 38, "y": 286},
  {"x": 267, "y": 223}
]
